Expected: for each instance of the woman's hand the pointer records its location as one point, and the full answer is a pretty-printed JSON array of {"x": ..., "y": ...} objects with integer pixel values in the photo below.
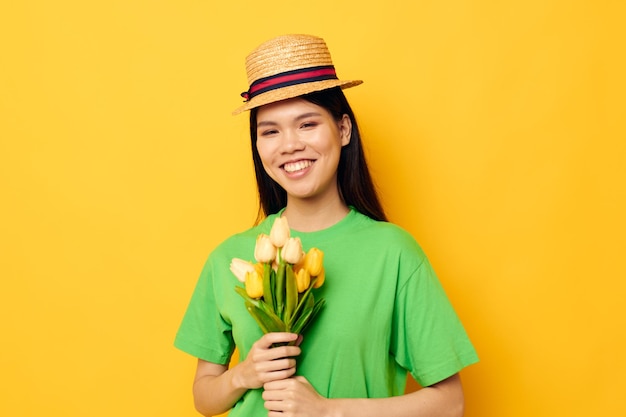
[
  {"x": 294, "y": 397},
  {"x": 265, "y": 363}
]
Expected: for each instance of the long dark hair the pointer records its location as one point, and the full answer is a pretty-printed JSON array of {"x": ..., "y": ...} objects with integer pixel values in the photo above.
[{"x": 356, "y": 186}]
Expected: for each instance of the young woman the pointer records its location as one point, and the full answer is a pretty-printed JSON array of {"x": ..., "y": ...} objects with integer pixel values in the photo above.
[{"x": 385, "y": 314}]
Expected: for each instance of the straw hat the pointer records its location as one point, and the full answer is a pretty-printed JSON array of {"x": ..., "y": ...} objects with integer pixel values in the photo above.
[{"x": 289, "y": 66}]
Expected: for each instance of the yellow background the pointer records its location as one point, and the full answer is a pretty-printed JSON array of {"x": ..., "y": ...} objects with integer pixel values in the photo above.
[{"x": 495, "y": 130}]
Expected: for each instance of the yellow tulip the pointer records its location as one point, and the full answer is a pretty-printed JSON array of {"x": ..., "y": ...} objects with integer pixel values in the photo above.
[
  {"x": 280, "y": 232},
  {"x": 254, "y": 284},
  {"x": 303, "y": 279},
  {"x": 320, "y": 279},
  {"x": 292, "y": 251},
  {"x": 259, "y": 268},
  {"x": 239, "y": 268},
  {"x": 264, "y": 251},
  {"x": 313, "y": 261}
]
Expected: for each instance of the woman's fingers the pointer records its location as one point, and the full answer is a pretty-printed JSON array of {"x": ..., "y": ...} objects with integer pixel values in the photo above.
[
  {"x": 270, "y": 338},
  {"x": 262, "y": 350},
  {"x": 266, "y": 362},
  {"x": 293, "y": 397},
  {"x": 275, "y": 365}
]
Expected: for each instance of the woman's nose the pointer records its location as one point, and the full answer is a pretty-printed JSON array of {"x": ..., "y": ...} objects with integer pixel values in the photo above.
[{"x": 292, "y": 142}]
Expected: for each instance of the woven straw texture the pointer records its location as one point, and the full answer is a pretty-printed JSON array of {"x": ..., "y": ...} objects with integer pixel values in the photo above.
[{"x": 287, "y": 53}]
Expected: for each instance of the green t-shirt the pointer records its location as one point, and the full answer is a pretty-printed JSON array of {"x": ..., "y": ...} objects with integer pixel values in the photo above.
[{"x": 385, "y": 314}]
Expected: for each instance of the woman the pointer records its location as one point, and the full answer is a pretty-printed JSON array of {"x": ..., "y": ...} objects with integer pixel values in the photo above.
[{"x": 385, "y": 311}]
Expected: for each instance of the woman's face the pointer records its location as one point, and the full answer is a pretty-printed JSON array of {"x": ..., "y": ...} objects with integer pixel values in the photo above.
[{"x": 299, "y": 144}]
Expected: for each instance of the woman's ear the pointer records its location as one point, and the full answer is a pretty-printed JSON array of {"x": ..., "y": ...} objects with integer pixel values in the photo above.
[{"x": 345, "y": 129}]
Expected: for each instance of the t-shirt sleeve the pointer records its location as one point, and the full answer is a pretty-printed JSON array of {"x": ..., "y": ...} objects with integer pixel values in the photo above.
[
  {"x": 428, "y": 338},
  {"x": 204, "y": 333}
]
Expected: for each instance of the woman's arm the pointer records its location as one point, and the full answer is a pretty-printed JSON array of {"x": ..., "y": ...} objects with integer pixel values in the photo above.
[
  {"x": 295, "y": 397},
  {"x": 216, "y": 388}
]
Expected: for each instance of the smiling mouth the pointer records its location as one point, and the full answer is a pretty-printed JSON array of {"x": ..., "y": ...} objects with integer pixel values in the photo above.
[{"x": 291, "y": 167}]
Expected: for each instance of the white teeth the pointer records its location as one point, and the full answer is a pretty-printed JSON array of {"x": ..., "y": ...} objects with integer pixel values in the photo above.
[{"x": 297, "y": 166}]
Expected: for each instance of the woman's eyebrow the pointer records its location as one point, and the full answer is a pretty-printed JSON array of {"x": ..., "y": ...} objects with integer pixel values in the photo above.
[
  {"x": 266, "y": 123},
  {"x": 305, "y": 115},
  {"x": 297, "y": 118}
]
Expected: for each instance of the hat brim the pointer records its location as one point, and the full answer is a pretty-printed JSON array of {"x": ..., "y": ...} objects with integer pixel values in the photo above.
[{"x": 293, "y": 91}]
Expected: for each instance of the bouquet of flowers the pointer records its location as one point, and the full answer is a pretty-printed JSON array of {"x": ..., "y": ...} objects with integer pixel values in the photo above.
[{"x": 278, "y": 288}]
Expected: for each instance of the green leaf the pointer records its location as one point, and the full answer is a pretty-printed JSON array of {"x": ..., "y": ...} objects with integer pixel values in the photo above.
[
  {"x": 291, "y": 293},
  {"x": 262, "y": 311},
  {"x": 265, "y": 322},
  {"x": 250, "y": 307},
  {"x": 242, "y": 291},
  {"x": 279, "y": 290},
  {"x": 272, "y": 299},
  {"x": 307, "y": 317},
  {"x": 267, "y": 286},
  {"x": 316, "y": 309},
  {"x": 278, "y": 323},
  {"x": 303, "y": 300}
]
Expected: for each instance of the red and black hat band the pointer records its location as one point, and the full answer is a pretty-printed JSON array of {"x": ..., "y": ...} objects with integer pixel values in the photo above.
[{"x": 285, "y": 79}]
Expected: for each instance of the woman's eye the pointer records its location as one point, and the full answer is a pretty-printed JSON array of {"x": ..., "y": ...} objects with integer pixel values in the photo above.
[
  {"x": 308, "y": 124},
  {"x": 269, "y": 132}
]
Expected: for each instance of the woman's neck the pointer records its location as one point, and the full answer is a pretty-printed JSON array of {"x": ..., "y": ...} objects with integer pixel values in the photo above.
[{"x": 307, "y": 216}]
